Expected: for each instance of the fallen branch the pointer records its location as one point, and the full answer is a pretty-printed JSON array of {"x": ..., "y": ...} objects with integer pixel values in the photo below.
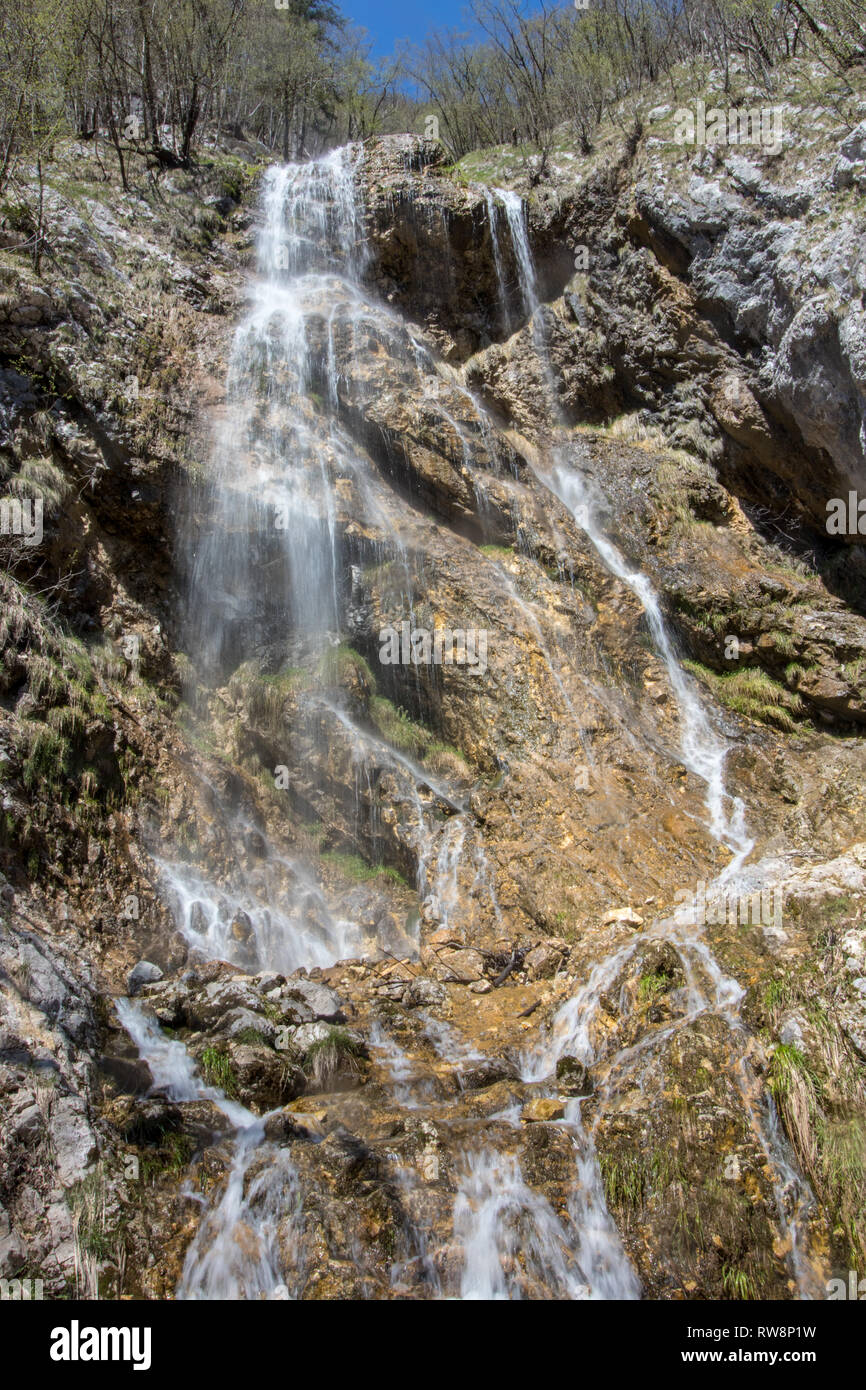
[
  {"x": 398, "y": 961},
  {"x": 516, "y": 959}
]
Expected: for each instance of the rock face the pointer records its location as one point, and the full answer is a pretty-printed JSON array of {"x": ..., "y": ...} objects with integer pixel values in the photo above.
[
  {"x": 719, "y": 294},
  {"x": 52, "y": 1135},
  {"x": 431, "y": 245},
  {"x": 433, "y": 934}
]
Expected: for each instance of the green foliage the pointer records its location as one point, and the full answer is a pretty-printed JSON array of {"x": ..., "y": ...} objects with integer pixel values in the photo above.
[
  {"x": 170, "y": 1160},
  {"x": 398, "y": 729},
  {"x": 788, "y": 1069},
  {"x": 65, "y": 701},
  {"x": 92, "y": 1218},
  {"x": 46, "y": 757},
  {"x": 652, "y": 985},
  {"x": 217, "y": 1070},
  {"x": 631, "y": 1179},
  {"x": 738, "y": 1283},
  {"x": 266, "y": 696},
  {"x": 354, "y": 867},
  {"x": 337, "y": 1054},
  {"x": 754, "y": 694},
  {"x": 252, "y": 1037},
  {"x": 776, "y": 994}
]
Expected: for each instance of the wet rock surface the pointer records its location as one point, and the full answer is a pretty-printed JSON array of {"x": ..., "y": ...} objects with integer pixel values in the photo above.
[{"x": 409, "y": 944}]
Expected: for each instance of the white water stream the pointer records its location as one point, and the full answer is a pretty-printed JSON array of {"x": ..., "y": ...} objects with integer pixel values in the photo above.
[
  {"x": 704, "y": 753},
  {"x": 280, "y": 463}
]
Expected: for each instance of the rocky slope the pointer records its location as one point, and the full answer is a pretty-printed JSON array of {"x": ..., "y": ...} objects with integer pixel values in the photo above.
[{"x": 375, "y": 951}]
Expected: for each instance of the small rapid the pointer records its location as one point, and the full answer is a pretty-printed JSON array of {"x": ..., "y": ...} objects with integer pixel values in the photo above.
[{"x": 234, "y": 1253}]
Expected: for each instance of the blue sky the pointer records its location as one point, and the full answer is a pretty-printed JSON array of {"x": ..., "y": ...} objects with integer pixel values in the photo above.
[{"x": 389, "y": 20}]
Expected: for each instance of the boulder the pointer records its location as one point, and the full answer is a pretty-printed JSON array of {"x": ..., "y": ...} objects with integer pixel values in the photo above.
[
  {"x": 263, "y": 1079},
  {"x": 542, "y": 1110},
  {"x": 425, "y": 993},
  {"x": 309, "y": 1033},
  {"x": 460, "y": 966},
  {"x": 322, "y": 1002},
  {"x": 545, "y": 960},
  {"x": 144, "y": 973},
  {"x": 72, "y": 1139},
  {"x": 238, "y": 1021},
  {"x": 130, "y": 1075},
  {"x": 626, "y": 915},
  {"x": 474, "y": 1076},
  {"x": 572, "y": 1077}
]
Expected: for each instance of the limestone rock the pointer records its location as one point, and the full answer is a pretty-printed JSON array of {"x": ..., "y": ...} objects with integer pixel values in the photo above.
[
  {"x": 542, "y": 1110},
  {"x": 626, "y": 915},
  {"x": 144, "y": 973}
]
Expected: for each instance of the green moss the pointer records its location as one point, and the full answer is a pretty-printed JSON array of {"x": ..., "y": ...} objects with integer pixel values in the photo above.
[
  {"x": 342, "y": 665},
  {"x": 652, "y": 985},
  {"x": 354, "y": 867},
  {"x": 266, "y": 696},
  {"x": 169, "y": 1160}
]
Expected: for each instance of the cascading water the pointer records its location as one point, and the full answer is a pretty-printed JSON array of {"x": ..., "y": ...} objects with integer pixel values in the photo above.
[
  {"x": 704, "y": 753},
  {"x": 273, "y": 506},
  {"x": 234, "y": 1253},
  {"x": 270, "y": 508},
  {"x": 702, "y": 750},
  {"x": 515, "y": 1246},
  {"x": 497, "y": 258}
]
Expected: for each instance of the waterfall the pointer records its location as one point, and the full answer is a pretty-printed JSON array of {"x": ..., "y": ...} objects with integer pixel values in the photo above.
[
  {"x": 271, "y": 572},
  {"x": 515, "y": 1245},
  {"x": 703, "y": 751},
  {"x": 499, "y": 267},
  {"x": 273, "y": 503},
  {"x": 515, "y": 214},
  {"x": 704, "y": 754},
  {"x": 234, "y": 1253},
  {"x": 516, "y": 217}
]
